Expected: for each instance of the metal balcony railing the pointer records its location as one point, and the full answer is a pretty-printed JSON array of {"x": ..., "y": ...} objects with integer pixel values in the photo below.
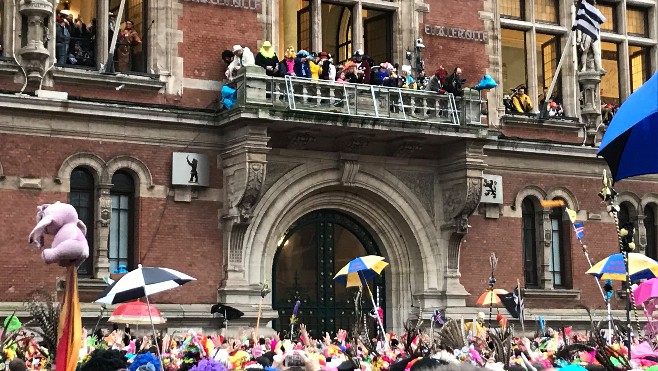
[{"x": 360, "y": 100}]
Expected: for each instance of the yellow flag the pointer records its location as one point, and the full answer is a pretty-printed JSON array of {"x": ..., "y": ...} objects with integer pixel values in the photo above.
[{"x": 572, "y": 214}]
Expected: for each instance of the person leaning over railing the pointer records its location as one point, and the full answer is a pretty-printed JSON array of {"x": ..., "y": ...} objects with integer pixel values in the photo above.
[{"x": 266, "y": 58}]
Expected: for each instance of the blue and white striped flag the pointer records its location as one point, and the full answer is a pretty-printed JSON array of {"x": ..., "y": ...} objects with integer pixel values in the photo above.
[{"x": 589, "y": 19}]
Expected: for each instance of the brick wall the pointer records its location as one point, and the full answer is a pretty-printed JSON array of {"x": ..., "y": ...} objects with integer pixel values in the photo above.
[
  {"x": 187, "y": 237},
  {"x": 504, "y": 237},
  {"x": 470, "y": 55}
]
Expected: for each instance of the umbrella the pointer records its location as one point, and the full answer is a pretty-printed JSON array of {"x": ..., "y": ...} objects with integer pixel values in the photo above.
[
  {"x": 359, "y": 271},
  {"x": 613, "y": 268},
  {"x": 137, "y": 313},
  {"x": 228, "y": 312},
  {"x": 143, "y": 282},
  {"x": 645, "y": 291},
  {"x": 490, "y": 297},
  {"x": 629, "y": 144}
]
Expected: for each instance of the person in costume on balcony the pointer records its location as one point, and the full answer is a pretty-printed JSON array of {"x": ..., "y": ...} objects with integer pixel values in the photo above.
[
  {"x": 521, "y": 101},
  {"x": 128, "y": 38},
  {"x": 287, "y": 64},
  {"x": 242, "y": 57},
  {"x": 314, "y": 66},
  {"x": 362, "y": 67},
  {"x": 454, "y": 83},
  {"x": 267, "y": 58},
  {"x": 302, "y": 67}
]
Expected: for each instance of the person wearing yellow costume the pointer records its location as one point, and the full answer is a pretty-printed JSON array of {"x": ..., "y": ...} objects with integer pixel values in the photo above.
[
  {"x": 315, "y": 66},
  {"x": 238, "y": 359},
  {"x": 521, "y": 101},
  {"x": 477, "y": 328}
]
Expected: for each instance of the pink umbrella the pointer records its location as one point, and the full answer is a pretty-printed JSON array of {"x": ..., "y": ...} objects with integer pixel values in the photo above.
[{"x": 645, "y": 291}]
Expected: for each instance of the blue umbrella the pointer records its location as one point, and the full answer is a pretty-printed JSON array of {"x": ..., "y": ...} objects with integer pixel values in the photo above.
[{"x": 630, "y": 145}]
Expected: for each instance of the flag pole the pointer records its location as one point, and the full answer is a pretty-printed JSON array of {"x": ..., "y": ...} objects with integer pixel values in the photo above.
[
  {"x": 521, "y": 312},
  {"x": 543, "y": 114}
]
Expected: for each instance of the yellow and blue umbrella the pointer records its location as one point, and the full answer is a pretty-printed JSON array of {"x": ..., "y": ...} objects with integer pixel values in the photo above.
[
  {"x": 360, "y": 270},
  {"x": 613, "y": 267}
]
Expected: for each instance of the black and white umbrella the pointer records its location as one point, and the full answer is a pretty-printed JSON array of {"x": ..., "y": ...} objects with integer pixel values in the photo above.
[{"x": 142, "y": 282}]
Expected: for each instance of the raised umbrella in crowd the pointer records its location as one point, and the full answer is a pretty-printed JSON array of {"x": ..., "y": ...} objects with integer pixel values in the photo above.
[
  {"x": 229, "y": 313},
  {"x": 141, "y": 283}
]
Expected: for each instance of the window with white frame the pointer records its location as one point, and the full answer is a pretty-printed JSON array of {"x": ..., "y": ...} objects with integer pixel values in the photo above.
[
  {"x": 121, "y": 246},
  {"x": 81, "y": 197}
]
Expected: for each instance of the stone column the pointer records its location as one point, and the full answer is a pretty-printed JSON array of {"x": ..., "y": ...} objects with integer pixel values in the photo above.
[
  {"x": 102, "y": 31},
  {"x": 357, "y": 27},
  {"x": 316, "y": 25},
  {"x": 590, "y": 81},
  {"x": 544, "y": 252},
  {"x": 101, "y": 239},
  {"x": 289, "y": 29},
  {"x": 33, "y": 55}
]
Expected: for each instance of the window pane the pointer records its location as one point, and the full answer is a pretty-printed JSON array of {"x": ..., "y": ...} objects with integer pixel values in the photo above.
[
  {"x": 555, "y": 259},
  {"x": 120, "y": 244},
  {"x": 546, "y": 11},
  {"x": 512, "y": 8},
  {"x": 529, "y": 243},
  {"x": 123, "y": 233},
  {"x": 337, "y": 31},
  {"x": 377, "y": 31},
  {"x": 639, "y": 61},
  {"x": 610, "y": 15},
  {"x": 514, "y": 58},
  {"x": 610, "y": 92},
  {"x": 636, "y": 21},
  {"x": 130, "y": 52},
  {"x": 547, "y": 58},
  {"x": 80, "y": 50}
]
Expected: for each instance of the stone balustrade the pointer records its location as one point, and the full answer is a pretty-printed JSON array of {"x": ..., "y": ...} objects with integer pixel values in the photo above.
[{"x": 254, "y": 88}]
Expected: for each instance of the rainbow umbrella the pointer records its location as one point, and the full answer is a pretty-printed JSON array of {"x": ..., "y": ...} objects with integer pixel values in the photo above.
[
  {"x": 613, "y": 267},
  {"x": 360, "y": 270}
]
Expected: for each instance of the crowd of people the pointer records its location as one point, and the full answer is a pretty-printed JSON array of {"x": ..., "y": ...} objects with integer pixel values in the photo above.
[
  {"x": 442, "y": 346},
  {"x": 360, "y": 69},
  {"x": 75, "y": 41}
]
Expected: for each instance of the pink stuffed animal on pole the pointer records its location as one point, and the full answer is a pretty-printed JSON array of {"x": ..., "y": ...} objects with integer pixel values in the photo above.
[{"x": 69, "y": 245}]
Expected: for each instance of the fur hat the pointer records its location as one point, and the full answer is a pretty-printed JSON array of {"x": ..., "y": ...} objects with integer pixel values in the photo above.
[{"x": 236, "y": 48}]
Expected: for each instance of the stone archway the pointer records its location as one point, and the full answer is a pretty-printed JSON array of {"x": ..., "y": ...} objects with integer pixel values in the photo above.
[{"x": 397, "y": 219}]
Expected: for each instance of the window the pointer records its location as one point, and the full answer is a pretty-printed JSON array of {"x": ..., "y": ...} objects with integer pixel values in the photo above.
[
  {"x": 639, "y": 63},
  {"x": 546, "y": 11},
  {"x": 121, "y": 245},
  {"x": 81, "y": 196},
  {"x": 610, "y": 89},
  {"x": 610, "y": 14},
  {"x": 548, "y": 47},
  {"x": 636, "y": 21},
  {"x": 560, "y": 242},
  {"x": 76, "y": 19},
  {"x": 512, "y": 9},
  {"x": 377, "y": 34},
  {"x": 132, "y": 41},
  {"x": 514, "y": 58},
  {"x": 650, "y": 231},
  {"x": 337, "y": 31},
  {"x": 529, "y": 221}
]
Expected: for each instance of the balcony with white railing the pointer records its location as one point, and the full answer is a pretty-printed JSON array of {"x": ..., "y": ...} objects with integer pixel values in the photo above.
[{"x": 344, "y": 101}]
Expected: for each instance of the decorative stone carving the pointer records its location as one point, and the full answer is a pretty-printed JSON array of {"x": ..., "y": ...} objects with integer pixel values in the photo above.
[
  {"x": 352, "y": 144},
  {"x": 34, "y": 55},
  {"x": 104, "y": 205},
  {"x": 29, "y": 183},
  {"x": 421, "y": 184},
  {"x": 301, "y": 139},
  {"x": 461, "y": 200},
  {"x": 349, "y": 167},
  {"x": 103, "y": 218},
  {"x": 275, "y": 170},
  {"x": 255, "y": 178},
  {"x": 407, "y": 148}
]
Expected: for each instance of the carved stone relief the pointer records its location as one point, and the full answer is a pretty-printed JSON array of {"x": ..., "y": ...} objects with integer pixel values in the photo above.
[
  {"x": 421, "y": 184},
  {"x": 34, "y": 53},
  {"x": 461, "y": 199},
  {"x": 276, "y": 170},
  {"x": 348, "y": 170}
]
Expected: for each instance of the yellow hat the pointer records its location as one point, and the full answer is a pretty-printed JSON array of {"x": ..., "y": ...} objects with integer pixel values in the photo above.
[{"x": 266, "y": 44}]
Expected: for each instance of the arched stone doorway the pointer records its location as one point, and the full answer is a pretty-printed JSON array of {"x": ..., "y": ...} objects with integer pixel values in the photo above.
[{"x": 312, "y": 250}]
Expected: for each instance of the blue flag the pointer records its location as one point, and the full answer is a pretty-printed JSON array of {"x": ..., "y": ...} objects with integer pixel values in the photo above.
[{"x": 579, "y": 228}]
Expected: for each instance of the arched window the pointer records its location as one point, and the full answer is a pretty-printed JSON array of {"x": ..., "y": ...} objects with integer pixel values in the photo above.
[
  {"x": 624, "y": 214},
  {"x": 121, "y": 248},
  {"x": 81, "y": 196},
  {"x": 559, "y": 259},
  {"x": 650, "y": 229},
  {"x": 529, "y": 220}
]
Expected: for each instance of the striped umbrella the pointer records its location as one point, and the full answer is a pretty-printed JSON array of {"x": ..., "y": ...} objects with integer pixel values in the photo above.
[
  {"x": 613, "y": 267},
  {"x": 360, "y": 270},
  {"x": 137, "y": 313},
  {"x": 143, "y": 282},
  {"x": 490, "y": 297}
]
